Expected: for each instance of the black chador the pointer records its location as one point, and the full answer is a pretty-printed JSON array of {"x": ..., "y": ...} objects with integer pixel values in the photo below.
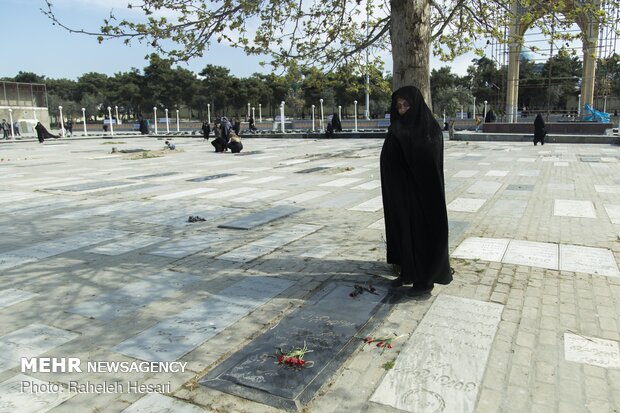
[
  {"x": 414, "y": 203},
  {"x": 43, "y": 133},
  {"x": 540, "y": 131}
]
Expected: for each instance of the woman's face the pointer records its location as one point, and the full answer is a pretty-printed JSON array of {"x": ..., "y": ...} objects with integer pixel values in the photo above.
[{"x": 402, "y": 106}]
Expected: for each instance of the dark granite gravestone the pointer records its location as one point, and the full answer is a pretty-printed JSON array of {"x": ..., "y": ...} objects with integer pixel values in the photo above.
[
  {"x": 519, "y": 187},
  {"x": 249, "y": 153},
  {"x": 310, "y": 170},
  {"x": 209, "y": 178},
  {"x": 89, "y": 185},
  {"x": 327, "y": 324},
  {"x": 457, "y": 229},
  {"x": 154, "y": 175},
  {"x": 261, "y": 217}
]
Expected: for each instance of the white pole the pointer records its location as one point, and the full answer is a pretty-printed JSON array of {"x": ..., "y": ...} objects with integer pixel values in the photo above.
[
  {"x": 208, "y": 113},
  {"x": 248, "y": 110},
  {"x": 444, "y": 116},
  {"x": 84, "y": 120},
  {"x": 111, "y": 125},
  {"x": 62, "y": 122},
  {"x": 178, "y": 130},
  {"x": 155, "y": 116},
  {"x": 485, "y": 111},
  {"x": 462, "y": 112},
  {"x": 312, "y": 118},
  {"x": 474, "y": 116},
  {"x": 282, "y": 115},
  {"x": 117, "y": 118},
  {"x": 605, "y": 104},
  {"x": 253, "y": 115},
  {"x": 260, "y": 112},
  {"x": 340, "y": 112},
  {"x": 579, "y": 106},
  {"x": 355, "y": 113},
  {"x": 11, "y": 121},
  {"x": 167, "y": 122},
  {"x": 321, "y": 119}
]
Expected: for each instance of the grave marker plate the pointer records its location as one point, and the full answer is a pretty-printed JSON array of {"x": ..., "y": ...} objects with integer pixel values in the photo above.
[
  {"x": 591, "y": 350},
  {"x": 488, "y": 249},
  {"x": 343, "y": 200},
  {"x": 369, "y": 185},
  {"x": 341, "y": 182},
  {"x": 182, "y": 194},
  {"x": 440, "y": 368},
  {"x": 13, "y": 399},
  {"x": 590, "y": 260},
  {"x": 484, "y": 187},
  {"x": 90, "y": 186},
  {"x": 496, "y": 173},
  {"x": 305, "y": 196},
  {"x": 179, "y": 334},
  {"x": 133, "y": 296},
  {"x": 535, "y": 254},
  {"x": 210, "y": 177},
  {"x": 561, "y": 187},
  {"x": 261, "y": 217},
  {"x": 607, "y": 189},
  {"x": 310, "y": 170},
  {"x": 519, "y": 187},
  {"x": 572, "y": 208},
  {"x": 30, "y": 341},
  {"x": 189, "y": 245},
  {"x": 466, "y": 204},
  {"x": 508, "y": 208},
  {"x": 12, "y": 296},
  {"x": 371, "y": 205},
  {"x": 265, "y": 179},
  {"x": 465, "y": 174},
  {"x": 327, "y": 324},
  {"x": 613, "y": 211},
  {"x": 128, "y": 244}
]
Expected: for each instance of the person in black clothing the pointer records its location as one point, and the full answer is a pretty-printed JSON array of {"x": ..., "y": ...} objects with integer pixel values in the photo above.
[
  {"x": 412, "y": 187},
  {"x": 69, "y": 127},
  {"x": 490, "y": 117},
  {"x": 329, "y": 130},
  {"x": 206, "y": 130},
  {"x": 43, "y": 133},
  {"x": 237, "y": 126},
  {"x": 143, "y": 126},
  {"x": 235, "y": 144},
  {"x": 539, "y": 130},
  {"x": 336, "y": 123},
  {"x": 252, "y": 124}
]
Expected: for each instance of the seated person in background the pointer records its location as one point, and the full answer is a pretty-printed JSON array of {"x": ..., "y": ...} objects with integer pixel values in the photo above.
[
  {"x": 235, "y": 144},
  {"x": 170, "y": 145}
]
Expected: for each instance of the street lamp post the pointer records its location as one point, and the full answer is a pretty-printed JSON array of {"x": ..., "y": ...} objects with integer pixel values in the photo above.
[
  {"x": 282, "y": 115},
  {"x": 84, "y": 121},
  {"x": 208, "y": 113},
  {"x": 248, "y": 110},
  {"x": 485, "y": 111},
  {"x": 155, "y": 118},
  {"x": 11, "y": 122},
  {"x": 111, "y": 123},
  {"x": 355, "y": 113},
  {"x": 340, "y": 112},
  {"x": 605, "y": 104},
  {"x": 253, "y": 115},
  {"x": 312, "y": 118},
  {"x": 116, "y": 111},
  {"x": 62, "y": 122},
  {"x": 167, "y": 122},
  {"x": 260, "y": 112},
  {"x": 474, "y": 115},
  {"x": 321, "y": 119},
  {"x": 178, "y": 130},
  {"x": 444, "y": 116},
  {"x": 579, "y": 106}
]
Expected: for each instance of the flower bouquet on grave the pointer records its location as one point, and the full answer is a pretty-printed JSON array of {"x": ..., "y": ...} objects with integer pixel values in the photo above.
[
  {"x": 359, "y": 289},
  {"x": 383, "y": 342},
  {"x": 294, "y": 358}
]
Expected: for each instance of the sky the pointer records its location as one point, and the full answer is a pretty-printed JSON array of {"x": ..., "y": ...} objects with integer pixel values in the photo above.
[{"x": 32, "y": 44}]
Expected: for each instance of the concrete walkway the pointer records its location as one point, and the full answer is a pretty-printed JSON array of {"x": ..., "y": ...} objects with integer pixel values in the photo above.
[{"x": 99, "y": 263}]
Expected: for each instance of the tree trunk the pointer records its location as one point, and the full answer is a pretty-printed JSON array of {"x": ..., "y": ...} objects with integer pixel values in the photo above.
[{"x": 410, "y": 35}]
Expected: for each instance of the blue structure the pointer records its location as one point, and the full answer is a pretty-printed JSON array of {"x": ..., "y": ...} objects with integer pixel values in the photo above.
[{"x": 595, "y": 115}]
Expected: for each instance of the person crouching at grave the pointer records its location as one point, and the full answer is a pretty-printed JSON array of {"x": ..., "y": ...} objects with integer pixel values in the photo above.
[
  {"x": 235, "y": 144},
  {"x": 329, "y": 131},
  {"x": 170, "y": 145},
  {"x": 43, "y": 133}
]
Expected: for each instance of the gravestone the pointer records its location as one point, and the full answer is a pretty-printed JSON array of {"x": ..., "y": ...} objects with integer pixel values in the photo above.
[
  {"x": 315, "y": 169},
  {"x": 133, "y": 296},
  {"x": 593, "y": 351},
  {"x": 590, "y": 260},
  {"x": 265, "y": 179},
  {"x": 327, "y": 324},
  {"x": 531, "y": 253},
  {"x": 90, "y": 185},
  {"x": 488, "y": 249},
  {"x": 508, "y": 208},
  {"x": 127, "y": 244},
  {"x": 484, "y": 187},
  {"x": 179, "y": 334},
  {"x": 369, "y": 185},
  {"x": 441, "y": 366},
  {"x": 305, "y": 196},
  {"x": 572, "y": 208},
  {"x": 613, "y": 211},
  {"x": 181, "y": 194},
  {"x": 189, "y": 245},
  {"x": 12, "y": 296},
  {"x": 261, "y": 217},
  {"x": 210, "y": 177},
  {"x": 371, "y": 205},
  {"x": 158, "y": 175},
  {"x": 466, "y": 204},
  {"x": 607, "y": 189},
  {"x": 30, "y": 341},
  {"x": 343, "y": 200},
  {"x": 456, "y": 229},
  {"x": 258, "y": 195},
  {"x": 519, "y": 187},
  {"x": 231, "y": 192},
  {"x": 465, "y": 174},
  {"x": 341, "y": 182},
  {"x": 14, "y": 399}
]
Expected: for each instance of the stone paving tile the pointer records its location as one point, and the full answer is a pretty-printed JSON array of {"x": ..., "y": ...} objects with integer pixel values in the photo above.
[{"x": 516, "y": 188}]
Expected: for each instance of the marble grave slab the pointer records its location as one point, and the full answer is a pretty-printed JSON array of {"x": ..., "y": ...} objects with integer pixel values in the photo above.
[
  {"x": 590, "y": 260},
  {"x": 508, "y": 208},
  {"x": 441, "y": 366},
  {"x": 488, "y": 249},
  {"x": 263, "y": 217},
  {"x": 484, "y": 187},
  {"x": 341, "y": 182},
  {"x": 613, "y": 211},
  {"x": 13, "y": 399},
  {"x": 303, "y": 197},
  {"x": 572, "y": 208},
  {"x": 90, "y": 186},
  {"x": 30, "y": 341},
  {"x": 159, "y": 403},
  {"x": 591, "y": 350},
  {"x": 189, "y": 245},
  {"x": 179, "y": 334},
  {"x": 210, "y": 177},
  {"x": 327, "y": 324},
  {"x": 12, "y": 296},
  {"x": 466, "y": 204},
  {"x": 372, "y": 205},
  {"x": 531, "y": 253},
  {"x": 126, "y": 245},
  {"x": 133, "y": 296}
]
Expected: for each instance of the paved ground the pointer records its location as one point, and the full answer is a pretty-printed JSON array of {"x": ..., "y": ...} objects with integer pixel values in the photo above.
[{"x": 95, "y": 249}]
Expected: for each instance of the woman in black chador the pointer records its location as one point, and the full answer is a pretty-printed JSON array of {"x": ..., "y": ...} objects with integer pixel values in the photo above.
[
  {"x": 414, "y": 203},
  {"x": 42, "y": 133},
  {"x": 539, "y": 130}
]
